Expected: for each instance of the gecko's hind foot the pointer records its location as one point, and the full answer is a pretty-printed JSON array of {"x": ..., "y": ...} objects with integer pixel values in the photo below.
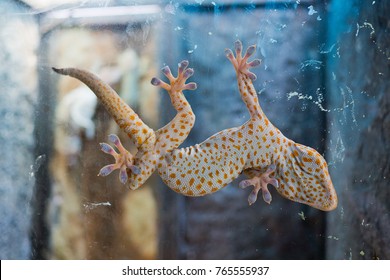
[
  {"x": 178, "y": 83},
  {"x": 240, "y": 62},
  {"x": 123, "y": 160},
  {"x": 260, "y": 183}
]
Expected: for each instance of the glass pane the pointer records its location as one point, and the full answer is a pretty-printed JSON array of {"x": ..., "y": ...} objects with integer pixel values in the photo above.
[{"x": 176, "y": 194}]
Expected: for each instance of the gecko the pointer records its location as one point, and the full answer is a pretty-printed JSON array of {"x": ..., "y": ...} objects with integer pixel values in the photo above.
[{"x": 257, "y": 148}]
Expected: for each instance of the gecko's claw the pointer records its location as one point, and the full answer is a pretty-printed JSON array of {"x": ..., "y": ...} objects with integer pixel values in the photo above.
[
  {"x": 182, "y": 66},
  {"x": 190, "y": 86},
  {"x": 188, "y": 73},
  {"x": 251, "y": 75},
  {"x": 106, "y": 148},
  {"x": 261, "y": 183},
  {"x": 229, "y": 54},
  {"x": 240, "y": 62},
  {"x": 167, "y": 72},
  {"x": 176, "y": 84},
  {"x": 249, "y": 51},
  {"x": 238, "y": 47},
  {"x": 134, "y": 169},
  {"x": 155, "y": 81},
  {"x": 123, "y": 174},
  {"x": 123, "y": 159},
  {"x": 106, "y": 170},
  {"x": 254, "y": 63}
]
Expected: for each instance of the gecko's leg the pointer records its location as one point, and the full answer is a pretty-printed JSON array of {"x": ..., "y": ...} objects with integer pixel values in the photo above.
[
  {"x": 260, "y": 182},
  {"x": 176, "y": 131},
  {"x": 123, "y": 160},
  {"x": 142, "y": 135},
  {"x": 245, "y": 77}
]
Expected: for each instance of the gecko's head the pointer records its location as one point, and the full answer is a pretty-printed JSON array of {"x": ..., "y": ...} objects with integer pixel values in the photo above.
[{"x": 306, "y": 179}]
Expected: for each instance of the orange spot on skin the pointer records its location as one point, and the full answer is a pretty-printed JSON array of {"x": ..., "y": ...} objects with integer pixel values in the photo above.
[
  {"x": 293, "y": 180},
  {"x": 305, "y": 159},
  {"x": 191, "y": 182},
  {"x": 132, "y": 117},
  {"x": 178, "y": 182},
  {"x": 172, "y": 175},
  {"x": 190, "y": 193}
]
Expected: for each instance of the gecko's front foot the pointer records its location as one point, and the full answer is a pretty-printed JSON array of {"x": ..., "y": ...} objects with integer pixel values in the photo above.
[
  {"x": 260, "y": 183},
  {"x": 176, "y": 84},
  {"x": 123, "y": 160},
  {"x": 240, "y": 62}
]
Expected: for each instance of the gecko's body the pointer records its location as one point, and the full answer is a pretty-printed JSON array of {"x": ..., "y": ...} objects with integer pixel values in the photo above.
[{"x": 256, "y": 148}]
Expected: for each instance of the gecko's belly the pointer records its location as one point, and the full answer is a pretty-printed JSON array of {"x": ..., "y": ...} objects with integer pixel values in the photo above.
[
  {"x": 203, "y": 168},
  {"x": 211, "y": 165}
]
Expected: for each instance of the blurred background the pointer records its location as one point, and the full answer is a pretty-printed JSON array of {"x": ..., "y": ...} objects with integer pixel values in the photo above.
[{"x": 324, "y": 82}]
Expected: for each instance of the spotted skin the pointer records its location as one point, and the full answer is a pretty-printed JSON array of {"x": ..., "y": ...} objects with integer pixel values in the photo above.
[
  {"x": 135, "y": 170},
  {"x": 256, "y": 148},
  {"x": 140, "y": 134}
]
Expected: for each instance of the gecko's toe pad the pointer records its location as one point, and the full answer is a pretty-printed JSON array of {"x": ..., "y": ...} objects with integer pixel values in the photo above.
[{"x": 123, "y": 159}]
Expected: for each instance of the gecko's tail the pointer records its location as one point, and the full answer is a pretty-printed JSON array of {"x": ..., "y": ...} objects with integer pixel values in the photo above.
[
  {"x": 62, "y": 71},
  {"x": 124, "y": 116}
]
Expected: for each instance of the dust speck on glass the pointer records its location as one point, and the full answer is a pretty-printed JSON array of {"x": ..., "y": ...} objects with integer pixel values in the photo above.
[{"x": 229, "y": 124}]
